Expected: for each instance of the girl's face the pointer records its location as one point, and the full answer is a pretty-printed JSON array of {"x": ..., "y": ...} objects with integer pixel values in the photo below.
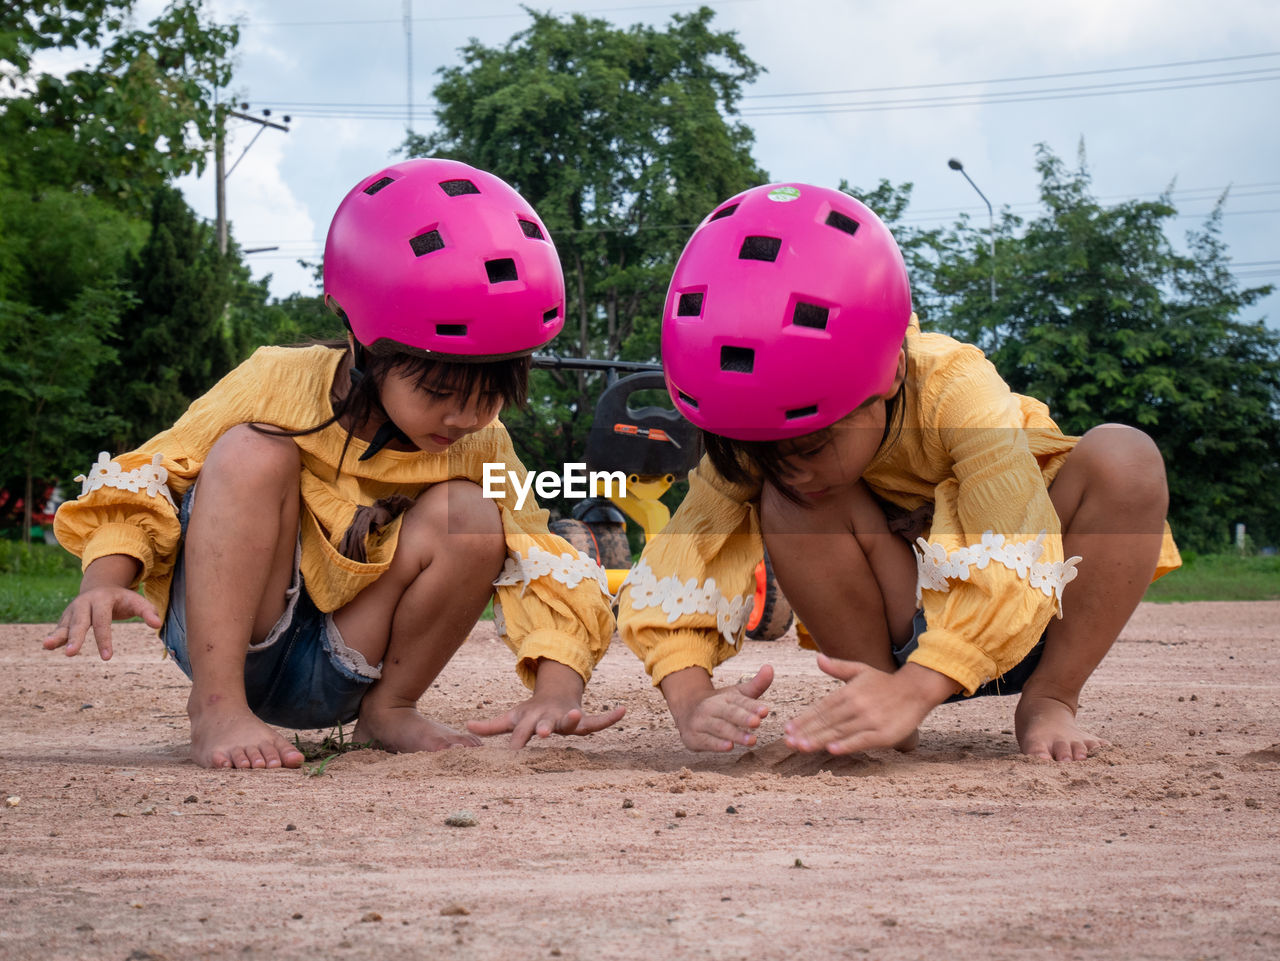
[
  {"x": 832, "y": 460},
  {"x": 435, "y": 418}
]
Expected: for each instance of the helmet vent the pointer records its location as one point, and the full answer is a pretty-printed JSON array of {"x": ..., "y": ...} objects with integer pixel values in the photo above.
[
  {"x": 760, "y": 248},
  {"x": 551, "y": 315},
  {"x": 723, "y": 212},
  {"x": 690, "y": 305},
  {"x": 451, "y": 330},
  {"x": 741, "y": 360},
  {"x": 687, "y": 399},
  {"x": 377, "y": 185},
  {"x": 426, "y": 243},
  {"x": 797, "y": 412},
  {"x": 841, "y": 222},
  {"x": 501, "y": 270},
  {"x": 531, "y": 230},
  {"x": 810, "y": 315},
  {"x": 456, "y": 188}
]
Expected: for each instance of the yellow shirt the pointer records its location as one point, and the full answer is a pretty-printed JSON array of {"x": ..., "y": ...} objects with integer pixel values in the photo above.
[
  {"x": 550, "y": 601},
  {"x": 991, "y": 571}
]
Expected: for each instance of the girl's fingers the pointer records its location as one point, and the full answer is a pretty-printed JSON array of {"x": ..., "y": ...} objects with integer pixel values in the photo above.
[
  {"x": 103, "y": 612},
  {"x": 754, "y": 687},
  {"x": 824, "y": 721},
  {"x": 55, "y": 638},
  {"x": 495, "y": 725},
  {"x": 521, "y": 733},
  {"x": 840, "y": 670},
  {"x": 862, "y": 741},
  {"x": 598, "y": 722}
]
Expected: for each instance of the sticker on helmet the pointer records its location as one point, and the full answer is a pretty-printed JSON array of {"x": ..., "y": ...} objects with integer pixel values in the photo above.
[{"x": 784, "y": 194}]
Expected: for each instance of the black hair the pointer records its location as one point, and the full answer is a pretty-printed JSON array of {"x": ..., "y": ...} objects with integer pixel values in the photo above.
[
  {"x": 747, "y": 461},
  {"x": 507, "y": 379}
]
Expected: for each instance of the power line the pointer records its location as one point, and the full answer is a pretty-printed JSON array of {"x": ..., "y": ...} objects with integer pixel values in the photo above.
[
  {"x": 396, "y": 112},
  {"x": 487, "y": 16},
  {"x": 1021, "y": 96},
  {"x": 1042, "y": 76}
]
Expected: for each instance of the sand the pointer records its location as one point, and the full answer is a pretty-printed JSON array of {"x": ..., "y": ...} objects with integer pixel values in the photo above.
[{"x": 113, "y": 845}]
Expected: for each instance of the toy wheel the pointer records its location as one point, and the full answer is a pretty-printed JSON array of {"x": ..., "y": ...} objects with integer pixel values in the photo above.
[
  {"x": 579, "y": 535},
  {"x": 771, "y": 615},
  {"x": 611, "y": 542}
]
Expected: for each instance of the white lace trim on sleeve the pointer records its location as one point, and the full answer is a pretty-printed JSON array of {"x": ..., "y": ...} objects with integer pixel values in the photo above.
[
  {"x": 678, "y": 598},
  {"x": 937, "y": 568},
  {"x": 108, "y": 473},
  {"x": 569, "y": 569}
]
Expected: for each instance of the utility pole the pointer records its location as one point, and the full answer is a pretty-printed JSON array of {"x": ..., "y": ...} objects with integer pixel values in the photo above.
[
  {"x": 408, "y": 56},
  {"x": 220, "y": 160}
]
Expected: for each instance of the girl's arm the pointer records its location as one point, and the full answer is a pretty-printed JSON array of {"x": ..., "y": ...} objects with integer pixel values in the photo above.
[
  {"x": 992, "y": 571},
  {"x": 684, "y": 607},
  {"x": 686, "y": 602}
]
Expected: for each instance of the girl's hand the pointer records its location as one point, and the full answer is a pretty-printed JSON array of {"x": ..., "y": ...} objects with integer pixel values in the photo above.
[
  {"x": 716, "y": 719},
  {"x": 873, "y": 709},
  {"x": 554, "y": 708},
  {"x": 94, "y": 609}
]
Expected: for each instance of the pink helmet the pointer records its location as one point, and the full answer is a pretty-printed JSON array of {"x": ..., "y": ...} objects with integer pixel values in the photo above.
[
  {"x": 438, "y": 256},
  {"x": 786, "y": 311}
]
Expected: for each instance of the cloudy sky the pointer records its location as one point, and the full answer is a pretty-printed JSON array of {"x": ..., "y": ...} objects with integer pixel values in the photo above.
[{"x": 1161, "y": 92}]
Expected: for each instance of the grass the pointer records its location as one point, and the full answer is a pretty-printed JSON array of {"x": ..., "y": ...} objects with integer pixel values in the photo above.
[
  {"x": 1219, "y": 577},
  {"x": 38, "y": 581},
  {"x": 337, "y": 742}
]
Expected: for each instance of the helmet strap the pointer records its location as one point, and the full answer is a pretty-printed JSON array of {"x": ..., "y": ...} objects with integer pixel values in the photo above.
[
  {"x": 389, "y": 431},
  {"x": 385, "y": 435}
]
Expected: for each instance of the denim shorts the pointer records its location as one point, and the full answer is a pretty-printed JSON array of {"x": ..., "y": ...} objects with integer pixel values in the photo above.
[
  {"x": 1010, "y": 682},
  {"x": 302, "y": 675}
]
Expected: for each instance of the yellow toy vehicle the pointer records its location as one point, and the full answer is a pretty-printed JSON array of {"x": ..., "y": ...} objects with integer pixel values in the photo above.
[{"x": 653, "y": 447}]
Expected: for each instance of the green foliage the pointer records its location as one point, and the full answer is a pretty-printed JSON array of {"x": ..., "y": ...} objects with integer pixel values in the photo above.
[
  {"x": 620, "y": 139},
  {"x": 1100, "y": 316},
  {"x": 37, "y": 582},
  {"x": 56, "y": 243},
  {"x": 27, "y": 28},
  {"x": 47, "y": 362},
  {"x": 36, "y": 598},
  {"x": 1220, "y": 577},
  {"x": 171, "y": 346},
  {"x": 143, "y": 114},
  {"x": 91, "y": 293},
  {"x": 37, "y": 560}
]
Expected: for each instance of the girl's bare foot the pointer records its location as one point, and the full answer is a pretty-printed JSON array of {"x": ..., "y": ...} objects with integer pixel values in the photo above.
[
  {"x": 234, "y": 737},
  {"x": 1047, "y": 728},
  {"x": 402, "y": 730}
]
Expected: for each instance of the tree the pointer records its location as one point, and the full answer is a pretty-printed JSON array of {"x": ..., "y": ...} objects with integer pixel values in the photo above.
[
  {"x": 62, "y": 292},
  {"x": 172, "y": 344},
  {"x": 1100, "y": 316},
  {"x": 145, "y": 113},
  {"x": 78, "y": 202},
  {"x": 621, "y": 141}
]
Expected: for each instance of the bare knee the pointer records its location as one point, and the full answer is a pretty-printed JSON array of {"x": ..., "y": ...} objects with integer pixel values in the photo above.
[
  {"x": 249, "y": 455},
  {"x": 779, "y": 515},
  {"x": 457, "y": 516},
  {"x": 1127, "y": 465}
]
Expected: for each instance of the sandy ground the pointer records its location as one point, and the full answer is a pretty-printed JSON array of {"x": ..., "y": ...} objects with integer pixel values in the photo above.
[{"x": 623, "y": 845}]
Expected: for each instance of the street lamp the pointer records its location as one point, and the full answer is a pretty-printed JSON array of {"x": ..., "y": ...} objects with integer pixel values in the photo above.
[{"x": 955, "y": 164}]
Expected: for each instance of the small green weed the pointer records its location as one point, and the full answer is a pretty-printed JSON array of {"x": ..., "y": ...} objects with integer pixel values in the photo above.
[{"x": 335, "y": 743}]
